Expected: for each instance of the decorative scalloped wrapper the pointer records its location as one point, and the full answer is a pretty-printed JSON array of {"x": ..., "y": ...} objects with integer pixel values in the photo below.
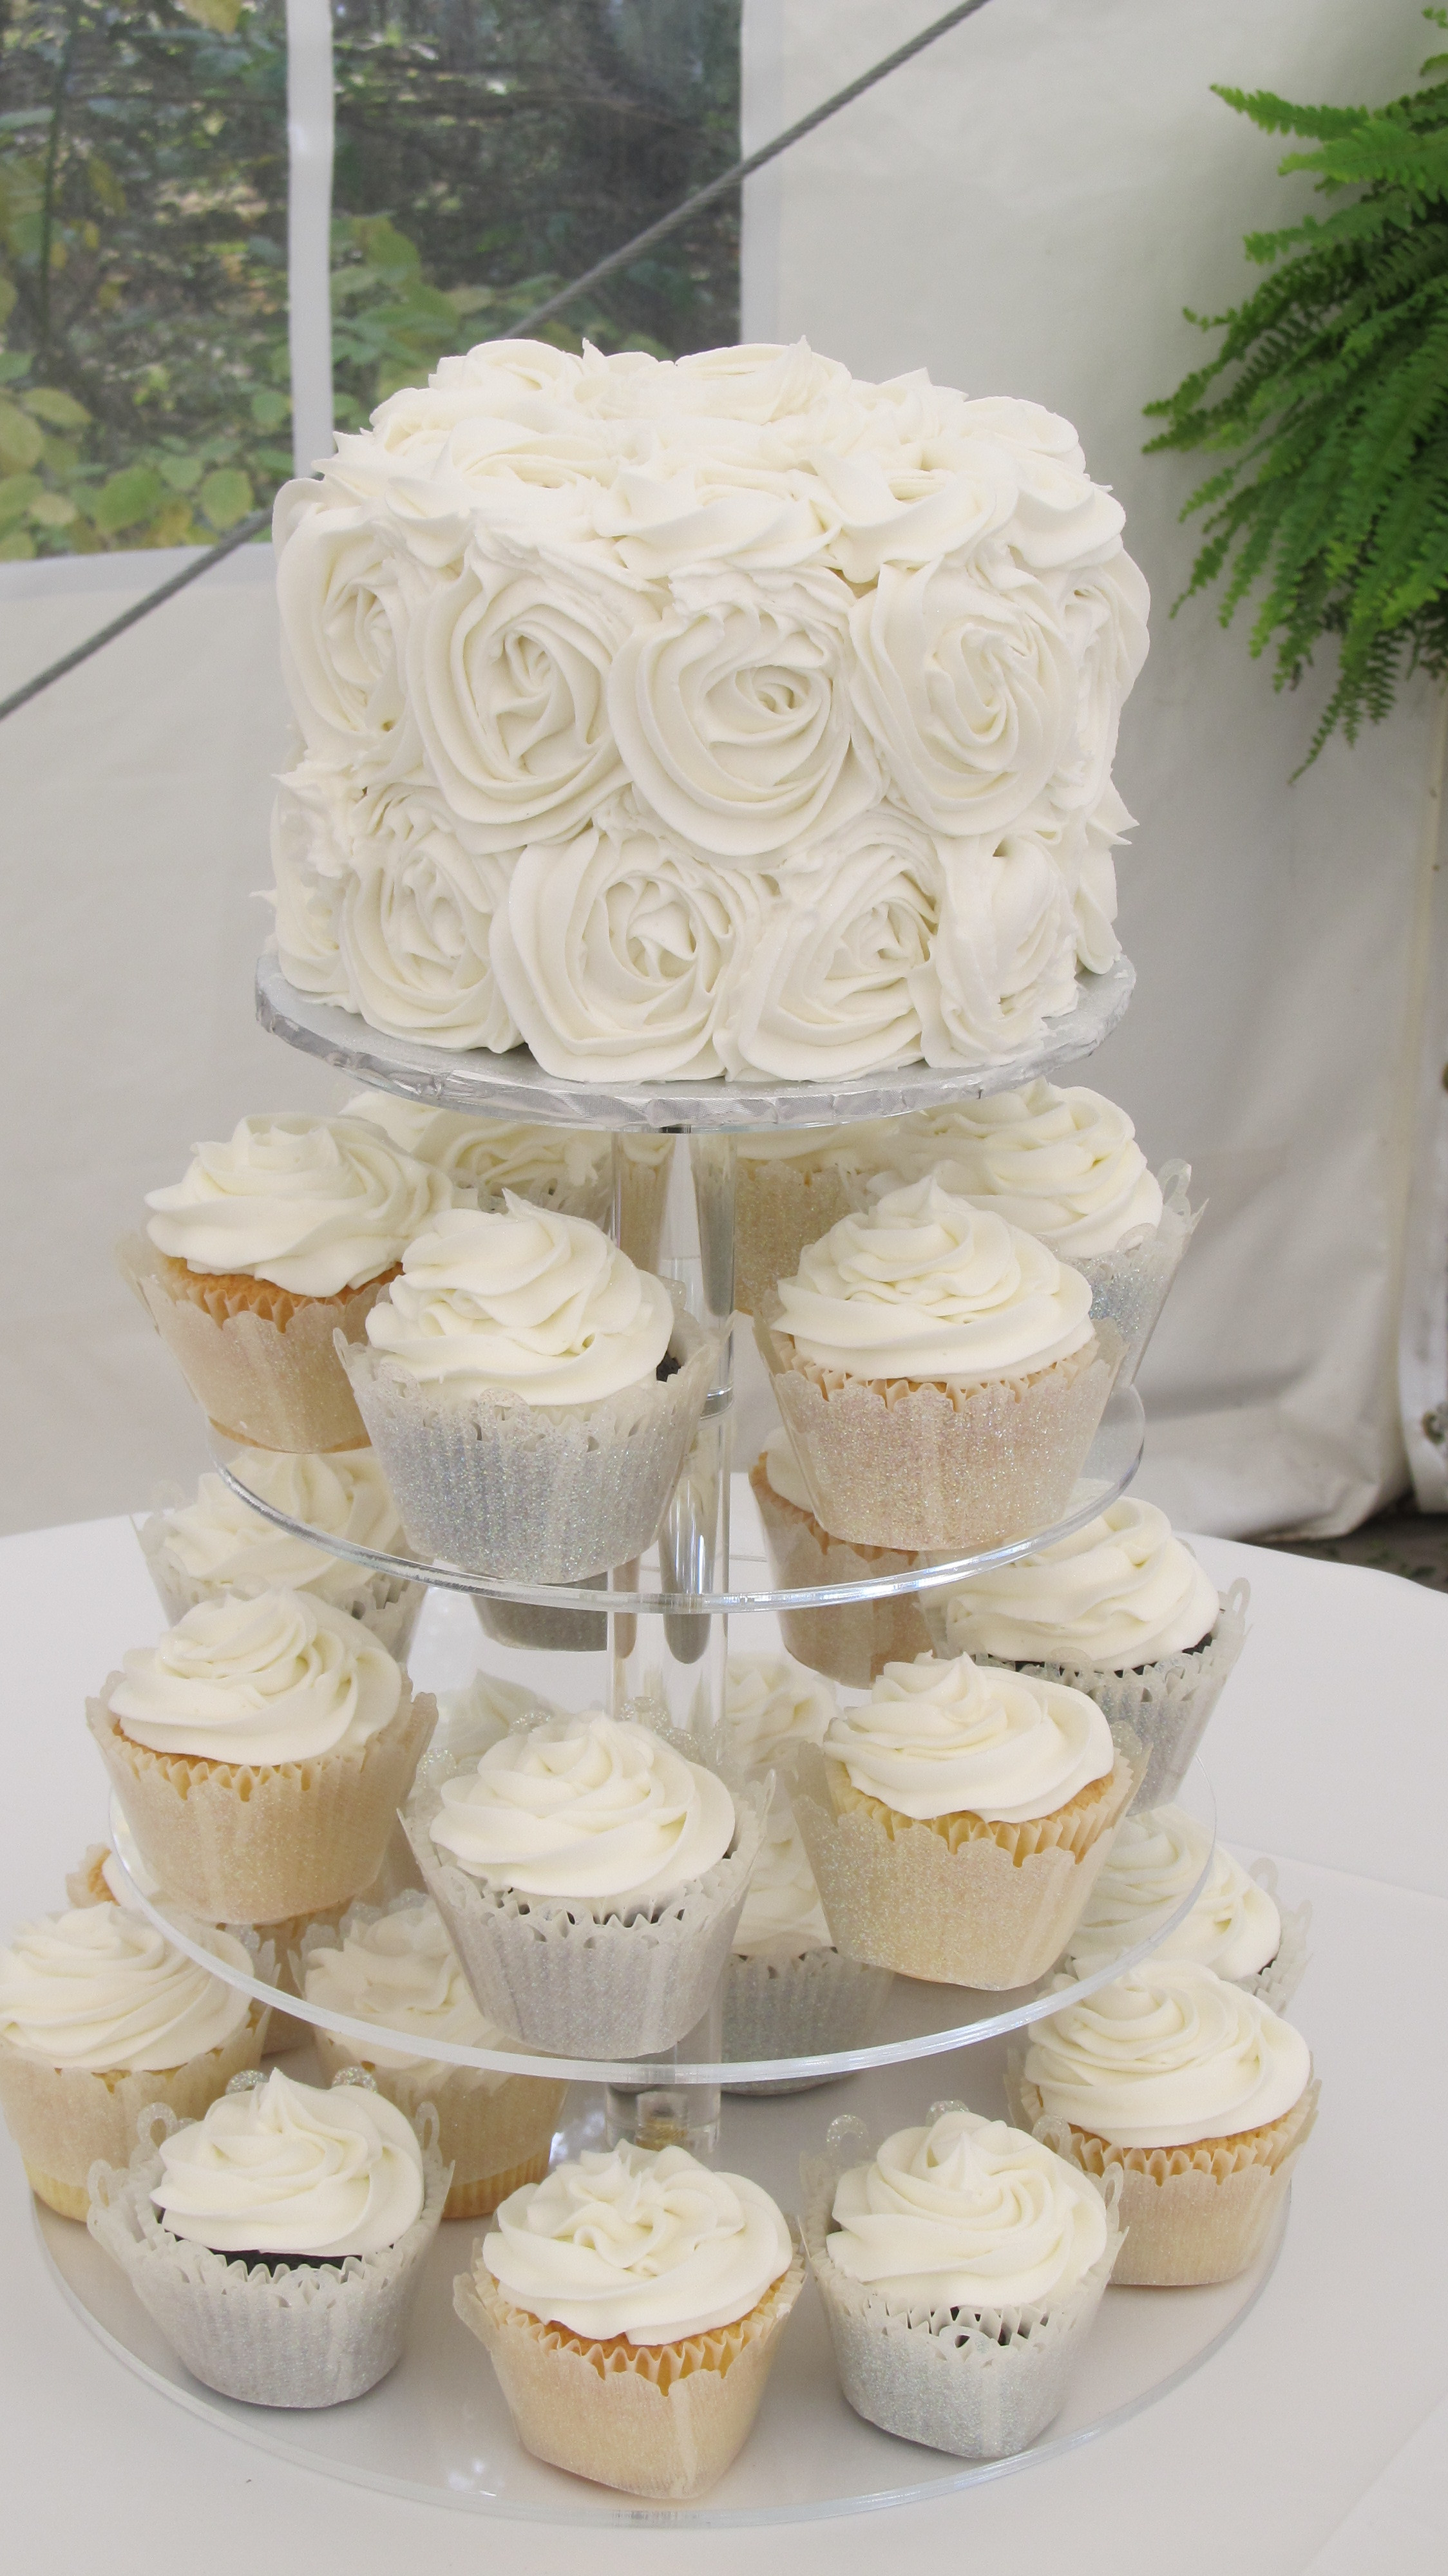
[
  {"x": 385, "y": 1603},
  {"x": 659, "y": 2420},
  {"x": 303, "y": 2335},
  {"x": 807, "y": 2006},
  {"x": 851, "y": 1641},
  {"x": 1192, "y": 2214},
  {"x": 578, "y": 1980},
  {"x": 64, "y": 2118},
  {"x": 780, "y": 1208},
  {"x": 1277, "y": 1983},
  {"x": 890, "y": 1463},
  {"x": 245, "y": 1843},
  {"x": 957, "y": 1901},
  {"x": 261, "y": 1363},
  {"x": 532, "y": 1493},
  {"x": 981, "y": 2384},
  {"x": 1129, "y": 1284}
]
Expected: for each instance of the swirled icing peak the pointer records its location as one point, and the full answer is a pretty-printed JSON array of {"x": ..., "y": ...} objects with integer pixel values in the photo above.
[
  {"x": 523, "y": 1301},
  {"x": 591, "y": 1807},
  {"x": 491, "y": 1155},
  {"x": 782, "y": 1916},
  {"x": 1167, "y": 2055},
  {"x": 315, "y": 1205},
  {"x": 1156, "y": 1859},
  {"x": 771, "y": 1702},
  {"x": 400, "y": 1970},
  {"x": 925, "y": 1286},
  {"x": 967, "y": 2213},
  {"x": 1065, "y": 1164},
  {"x": 284, "y": 2168},
  {"x": 1120, "y": 1593},
  {"x": 947, "y": 1739},
  {"x": 218, "y": 1540},
  {"x": 651, "y": 2246},
  {"x": 281, "y": 1677},
  {"x": 102, "y": 1988}
]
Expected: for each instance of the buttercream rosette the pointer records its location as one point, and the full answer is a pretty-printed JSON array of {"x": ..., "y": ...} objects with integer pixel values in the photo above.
[
  {"x": 279, "y": 2243},
  {"x": 961, "y": 2266},
  {"x": 851, "y": 1641},
  {"x": 531, "y": 1395}
]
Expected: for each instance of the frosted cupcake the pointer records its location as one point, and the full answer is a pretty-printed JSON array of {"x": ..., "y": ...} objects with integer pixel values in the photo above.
[
  {"x": 260, "y": 1753},
  {"x": 1121, "y": 1610},
  {"x": 850, "y": 1640},
  {"x": 531, "y": 1395},
  {"x": 100, "y": 2016},
  {"x": 278, "y": 2243},
  {"x": 958, "y": 1819},
  {"x": 1065, "y": 1164},
  {"x": 590, "y": 1878},
  {"x": 961, "y": 2268},
  {"x": 397, "y": 1968},
  {"x": 789, "y": 1187},
  {"x": 1195, "y": 2092},
  {"x": 938, "y": 1373},
  {"x": 571, "y": 1169},
  {"x": 632, "y": 2306},
  {"x": 218, "y": 1544},
  {"x": 1233, "y": 1925},
  {"x": 271, "y": 1245}
]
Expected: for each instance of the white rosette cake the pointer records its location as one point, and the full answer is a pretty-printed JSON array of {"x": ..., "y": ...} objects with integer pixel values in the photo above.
[
  {"x": 724, "y": 715},
  {"x": 961, "y": 2267}
]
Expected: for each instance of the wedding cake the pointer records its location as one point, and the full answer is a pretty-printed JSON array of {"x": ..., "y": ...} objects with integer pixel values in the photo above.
[{"x": 723, "y": 716}]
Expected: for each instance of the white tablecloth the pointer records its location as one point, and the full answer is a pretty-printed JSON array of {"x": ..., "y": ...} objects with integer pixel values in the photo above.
[{"x": 1315, "y": 2441}]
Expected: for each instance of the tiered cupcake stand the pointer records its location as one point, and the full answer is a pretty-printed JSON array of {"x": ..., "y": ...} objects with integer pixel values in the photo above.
[{"x": 654, "y": 1642}]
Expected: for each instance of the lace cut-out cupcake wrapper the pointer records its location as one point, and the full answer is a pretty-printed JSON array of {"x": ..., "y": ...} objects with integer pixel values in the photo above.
[{"x": 807, "y": 2006}]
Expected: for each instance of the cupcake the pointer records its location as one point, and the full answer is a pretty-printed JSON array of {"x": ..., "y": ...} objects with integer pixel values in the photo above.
[
  {"x": 271, "y": 1246},
  {"x": 101, "y": 2015},
  {"x": 1066, "y": 1166},
  {"x": 531, "y": 1395},
  {"x": 958, "y": 1818},
  {"x": 218, "y": 1544},
  {"x": 961, "y": 2267},
  {"x": 260, "y": 1753},
  {"x": 1195, "y": 2092},
  {"x": 938, "y": 1373},
  {"x": 631, "y": 2306},
  {"x": 278, "y": 2243},
  {"x": 1122, "y": 1611},
  {"x": 852, "y": 1641},
  {"x": 571, "y": 1169},
  {"x": 771, "y": 1704},
  {"x": 789, "y": 1188},
  {"x": 1233, "y": 1924},
  {"x": 591, "y": 1878},
  {"x": 788, "y": 1992}
]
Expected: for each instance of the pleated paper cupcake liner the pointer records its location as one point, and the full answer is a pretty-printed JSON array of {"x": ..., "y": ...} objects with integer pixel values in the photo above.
[
  {"x": 1191, "y": 2214},
  {"x": 807, "y": 2006},
  {"x": 1129, "y": 1284},
  {"x": 266, "y": 1384},
  {"x": 779, "y": 1209},
  {"x": 573, "y": 1978},
  {"x": 659, "y": 2420},
  {"x": 979, "y": 2383},
  {"x": 244, "y": 1843},
  {"x": 385, "y": 1603},
  {"x": 276, "y": 2336},
  {"x": 898, "y": 1465},
  {"x": 852, "y": 1641},
  {"x": 533, "y": 1493},
  {"x": 959, "y": 1901},
  {"x": 63, "y": 2118}
]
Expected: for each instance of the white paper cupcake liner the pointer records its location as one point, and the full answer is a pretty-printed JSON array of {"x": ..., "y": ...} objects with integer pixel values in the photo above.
[
  {"x": 264, "y": 1385},
  {"x": 385, "y": 1603},
  {"x": 310, "y": 2336},
  {"x": 531, "y": 1493},
  {"x": 572, "y": 1977},
  {"x": 1129, "y": 1284},
  {"x": 63, "y": 2118},
  {"x": 979, "y": 2383},
  {"x": 807, "y": 2006},
  {"x": 1277, "y": 1983}
]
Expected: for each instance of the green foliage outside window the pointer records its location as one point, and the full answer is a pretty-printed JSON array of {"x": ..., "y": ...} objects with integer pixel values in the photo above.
[{"x": 487, "y": 150}]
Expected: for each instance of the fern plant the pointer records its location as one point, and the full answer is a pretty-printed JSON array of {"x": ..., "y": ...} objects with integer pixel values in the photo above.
[{"x": 1329, "y": 398}]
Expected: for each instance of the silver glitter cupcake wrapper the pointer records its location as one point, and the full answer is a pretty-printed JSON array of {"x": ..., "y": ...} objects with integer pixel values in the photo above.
[
  {"x": 980, "y": 2384},
  {"x": 1129, "y": 1285},
  {"x": 306, "y": 2337},
  {"x": 801, "y": 2007}
]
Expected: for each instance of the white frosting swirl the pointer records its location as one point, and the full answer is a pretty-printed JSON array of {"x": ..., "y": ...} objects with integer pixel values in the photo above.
[
  {"x": 967, "y": 2213},
  {"x": 783, "y": 1473},
  {"x": 491, "y": 1155},
  {"x": 1121, "y": 1593},
  {"x": 938, "y": 1739},
  {"x": 590, "y": 1807},
  {"x": 1063, "y": 1164},
  {"x": 771, "y": 1702},
  {"x": 219, "y": 1541},
  {"x": 523, "y": 1301},
  {"x": 401, "y": 1971},
  {"x": 1158, "y": 1855},
  {"x": 315, "y": 1205},
  {"x": 278, "y": 1677},
  {"x": 102, "y": 1989},
  {"x": 283, "y": 2168},
  {"x": 782, "y": 1916},
  {"x": 924, "y": 1286},
  {"x": 652, "y": 2247},
  {"x": 1168, "y": 2055}
]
